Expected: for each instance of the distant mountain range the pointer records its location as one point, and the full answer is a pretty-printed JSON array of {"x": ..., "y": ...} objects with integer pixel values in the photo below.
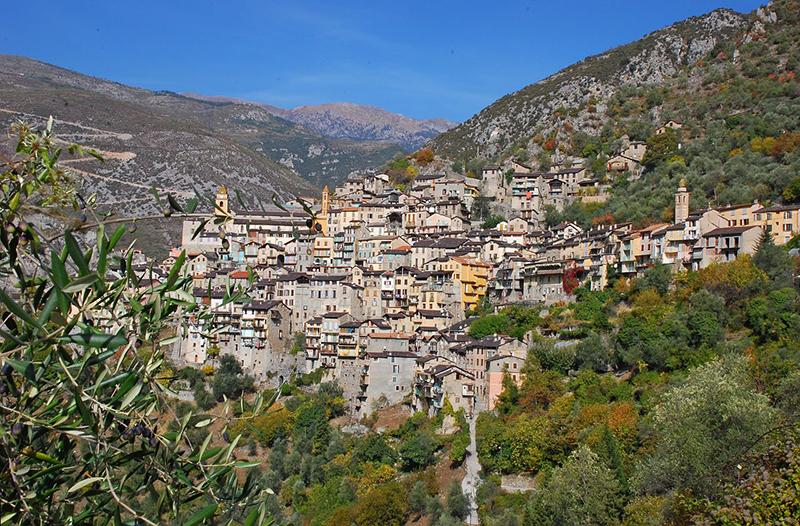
[
  {"x": 359, "y": 122},
  {"x": 173, "y": 142},
  {"x": 345, "y": 120},
  {"x": 321, "y": 144}
]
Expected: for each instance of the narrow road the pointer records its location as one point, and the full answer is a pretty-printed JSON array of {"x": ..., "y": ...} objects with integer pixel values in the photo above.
[
  {"x": 472, "y": 478},
  {"x": 98, "y": 132}
]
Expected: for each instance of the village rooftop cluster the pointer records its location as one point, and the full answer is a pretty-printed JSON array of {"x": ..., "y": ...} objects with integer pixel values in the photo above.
[{"x": 376, "y": 288}]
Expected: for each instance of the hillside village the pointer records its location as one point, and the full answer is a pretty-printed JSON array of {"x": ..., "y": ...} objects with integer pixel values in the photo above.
[
  {"x": 377, "y": 286},
  {"x": 580, "y": 305}
]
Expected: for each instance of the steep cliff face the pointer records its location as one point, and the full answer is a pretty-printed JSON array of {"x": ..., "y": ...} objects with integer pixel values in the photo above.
[{"x": 588, "y": 85}]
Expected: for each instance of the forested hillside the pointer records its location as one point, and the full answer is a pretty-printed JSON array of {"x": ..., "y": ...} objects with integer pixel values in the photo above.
[
  {"x": 729, "y": 79},
  {"x": 667, "y": 400}
]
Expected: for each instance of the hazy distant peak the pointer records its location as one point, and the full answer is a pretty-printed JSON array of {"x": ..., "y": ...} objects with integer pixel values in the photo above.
[{"x": 349, "y": 120}]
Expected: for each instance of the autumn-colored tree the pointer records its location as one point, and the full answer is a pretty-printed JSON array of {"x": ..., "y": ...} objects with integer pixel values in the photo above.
[
  {"x": 791, "y": 194},
  {"x": 424, "y": 156},
  {"x": 733, "y": 281},
  {"x": 383, "y": 506},
  {"x": 571, "y": 280},
  {"x": 605, "y": 219},
  {"x": 786, "y": 144}
]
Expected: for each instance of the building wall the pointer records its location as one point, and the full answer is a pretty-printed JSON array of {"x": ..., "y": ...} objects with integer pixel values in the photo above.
[
  {"x": 495, "y": 371},
  {"x": 453, "y": 386},
  {"x": 391, "y": 378},
  {"x": 782, "y": 224}
]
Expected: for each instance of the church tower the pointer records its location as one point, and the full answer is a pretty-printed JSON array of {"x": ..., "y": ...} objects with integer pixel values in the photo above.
[
  {"x": 221, "y": 202},
  {"x": 322, "y": 217},
  {"x": 326, "y": 201},
  {"x": 682, "y": 202}
]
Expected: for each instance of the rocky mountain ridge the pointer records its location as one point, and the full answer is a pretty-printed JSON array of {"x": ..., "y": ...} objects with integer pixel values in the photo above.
[
  {"x": 41, "y": 89},
  {"x": 730, "y": 81},
  {"x": 588, "y": 84},
  {"x": 146, "y": 139},
  {"x": 347, "y": 120}
]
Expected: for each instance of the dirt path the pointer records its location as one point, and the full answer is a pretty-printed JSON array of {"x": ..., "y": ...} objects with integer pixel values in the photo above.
[
  {"x": 469, "y": 485},
  {"x": 84, "y": 173}
]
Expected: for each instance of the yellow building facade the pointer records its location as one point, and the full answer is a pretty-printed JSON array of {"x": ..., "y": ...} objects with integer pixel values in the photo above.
[{"x": 473, "y": 274}]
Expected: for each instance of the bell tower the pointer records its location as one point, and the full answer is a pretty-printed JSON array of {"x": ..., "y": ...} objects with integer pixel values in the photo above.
[
  {"x": 221, "y": 202},
  {"x": 326, "y": 201},
  {"x": 322, "y": 218},
  {"x": 682, "y": 202}
]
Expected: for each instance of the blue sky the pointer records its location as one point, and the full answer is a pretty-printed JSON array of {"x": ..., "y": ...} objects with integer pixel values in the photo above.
[{"x": 434, "y": 58}]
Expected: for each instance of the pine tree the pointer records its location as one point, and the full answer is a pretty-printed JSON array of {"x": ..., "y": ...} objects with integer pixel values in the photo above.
[{"x": 610, "y": 452}]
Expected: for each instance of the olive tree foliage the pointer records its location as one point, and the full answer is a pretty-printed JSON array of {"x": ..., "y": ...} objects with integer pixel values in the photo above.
[
  {"x": 582, "y": 491},
  {"x": 84, "y": 434},
  {"x": 704, "y": 427}
]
